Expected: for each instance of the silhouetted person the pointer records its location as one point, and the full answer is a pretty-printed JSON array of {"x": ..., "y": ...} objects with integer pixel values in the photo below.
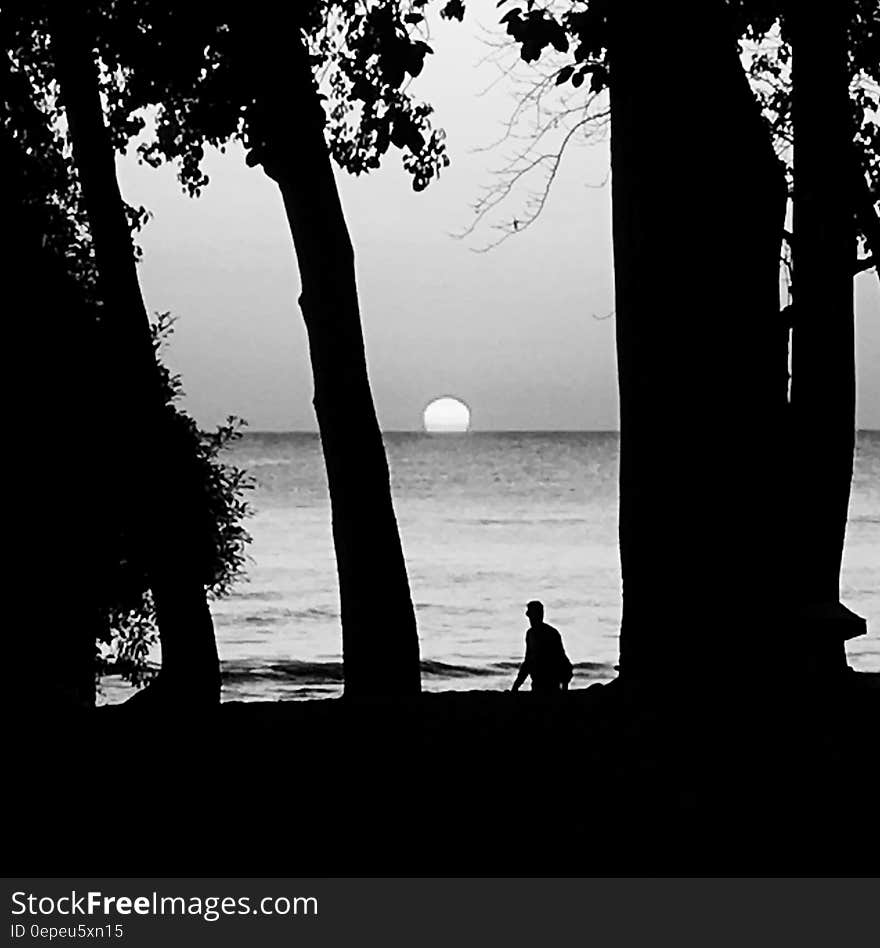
[{"x": 545, "y": 661}]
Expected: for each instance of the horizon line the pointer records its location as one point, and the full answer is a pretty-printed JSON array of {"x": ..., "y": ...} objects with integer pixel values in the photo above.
[{"x": 315, "y": 431}]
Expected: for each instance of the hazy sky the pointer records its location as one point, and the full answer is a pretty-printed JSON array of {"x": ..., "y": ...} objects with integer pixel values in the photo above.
[{"x": 510, "y": 331}]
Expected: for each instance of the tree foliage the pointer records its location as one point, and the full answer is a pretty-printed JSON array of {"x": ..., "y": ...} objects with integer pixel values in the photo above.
[{"x": 187, "y": 77}]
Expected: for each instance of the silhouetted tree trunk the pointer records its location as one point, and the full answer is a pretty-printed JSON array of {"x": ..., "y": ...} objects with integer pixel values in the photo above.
[
  {"x": 157, "y": 502},
  {"x": 379, "y": 637},
  {"x": 698, "y": 209},
  {"x": 823, "y": 387}
]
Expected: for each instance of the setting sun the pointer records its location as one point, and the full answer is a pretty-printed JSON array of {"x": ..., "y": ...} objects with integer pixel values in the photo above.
[{"x": 447, "y": 415}]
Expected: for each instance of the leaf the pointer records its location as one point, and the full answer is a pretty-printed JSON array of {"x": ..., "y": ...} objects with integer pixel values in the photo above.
[
  {"x": 558, "y": 39},
  {"x": 454, "y": 10},
  {"x": 598, "y": 80},
  {"x": 564, "y": 75}
]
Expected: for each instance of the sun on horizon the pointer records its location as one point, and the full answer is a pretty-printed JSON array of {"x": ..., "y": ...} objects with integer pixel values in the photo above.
[{"x": 447, "y": 415}]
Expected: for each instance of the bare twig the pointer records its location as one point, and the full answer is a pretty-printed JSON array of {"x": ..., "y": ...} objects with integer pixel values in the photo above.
[{"x": 546, "y": 119}]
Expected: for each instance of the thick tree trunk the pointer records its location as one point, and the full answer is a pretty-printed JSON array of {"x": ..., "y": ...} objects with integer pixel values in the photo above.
[
  {"x": 823, "y": 387},
  {"x": 156, "y": 503},
  {"x": 698, "y": 208},
  {"x": 379, "y": 636}
]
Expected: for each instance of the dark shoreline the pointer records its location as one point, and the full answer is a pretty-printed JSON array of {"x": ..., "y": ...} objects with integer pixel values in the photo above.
[{"x": 601, "y": 781}]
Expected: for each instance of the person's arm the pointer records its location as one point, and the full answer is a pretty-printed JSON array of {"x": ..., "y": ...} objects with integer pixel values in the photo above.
[{"x": 524, "y": 669}]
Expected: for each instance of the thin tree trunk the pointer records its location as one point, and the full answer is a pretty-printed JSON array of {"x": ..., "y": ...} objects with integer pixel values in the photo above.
[
  {"x": 698, "y": 208},
  {"x": 157, "y": 501},
  {"x": 823, "y": 387},
  {"x": 379, "y": 636}
]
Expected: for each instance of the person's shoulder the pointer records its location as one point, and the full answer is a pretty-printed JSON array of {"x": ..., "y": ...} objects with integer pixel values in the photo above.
[{"x": 551, "y": 629}]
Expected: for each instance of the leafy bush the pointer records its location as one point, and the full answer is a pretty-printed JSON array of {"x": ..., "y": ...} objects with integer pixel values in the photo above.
[{"x": 218, "y": 507}]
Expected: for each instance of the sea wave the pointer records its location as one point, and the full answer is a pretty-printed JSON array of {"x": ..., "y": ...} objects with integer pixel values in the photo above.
[
  {"x": 299, "y": 672},
  {"x": 452, "y": 609},
  {"x": 263, "y": 595},
  {"x": 276, "y": 616},
  {"x": 522, "y": 521}
]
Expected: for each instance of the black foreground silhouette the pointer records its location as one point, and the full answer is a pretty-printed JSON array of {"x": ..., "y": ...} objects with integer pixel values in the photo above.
[{"x": 772, "y": 778}]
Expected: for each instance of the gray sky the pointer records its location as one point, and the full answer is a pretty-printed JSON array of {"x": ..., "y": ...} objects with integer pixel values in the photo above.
[{"x": 510, "y": 331}]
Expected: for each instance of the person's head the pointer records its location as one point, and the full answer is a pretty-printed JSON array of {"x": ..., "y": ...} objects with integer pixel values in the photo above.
[{"x": 535, "y": 612}]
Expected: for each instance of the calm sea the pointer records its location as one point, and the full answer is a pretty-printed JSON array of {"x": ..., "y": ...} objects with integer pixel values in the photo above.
[{"x": 488, "y": 521}]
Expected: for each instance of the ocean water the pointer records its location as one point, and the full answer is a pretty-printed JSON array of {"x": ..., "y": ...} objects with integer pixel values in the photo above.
[{"x": 488, "y": 521}]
